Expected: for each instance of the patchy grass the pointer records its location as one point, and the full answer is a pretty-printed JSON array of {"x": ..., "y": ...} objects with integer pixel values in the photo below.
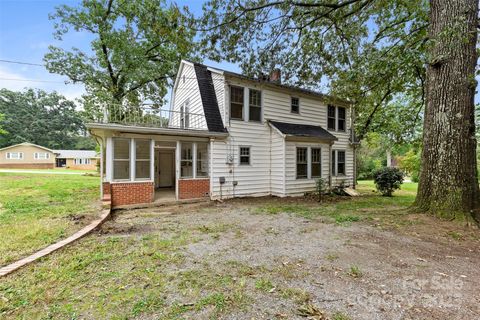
[{"x": 37, "y": 210}]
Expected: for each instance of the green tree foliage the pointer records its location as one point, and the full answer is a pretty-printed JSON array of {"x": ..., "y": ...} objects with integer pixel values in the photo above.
[
  {"x": 410, "y": 163},
  {"x": 2, "y": 118},
  {"x": 388, "y": 180},
  {"x": 46, "y": 119},
  {"x": 136, "y": 48},
  {"x": 370, "y": 52}
]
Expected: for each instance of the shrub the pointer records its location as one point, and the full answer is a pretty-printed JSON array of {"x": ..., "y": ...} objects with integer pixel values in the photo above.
[
  {"x": 388, "y": 180},
  {"x": 320, "y": 186}
]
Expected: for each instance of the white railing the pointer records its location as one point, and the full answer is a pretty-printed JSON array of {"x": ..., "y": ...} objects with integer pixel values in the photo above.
[{"x": 149, "y": 116}]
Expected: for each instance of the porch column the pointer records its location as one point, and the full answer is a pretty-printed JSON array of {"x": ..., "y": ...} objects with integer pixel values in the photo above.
[
  {"x": 178, "y": 151},
  {"x": 194, "y": 160},
  {"x": 109, "y": 160},
  {"x": 132, "y": 159},
  {"x": 152, "y": 160}
]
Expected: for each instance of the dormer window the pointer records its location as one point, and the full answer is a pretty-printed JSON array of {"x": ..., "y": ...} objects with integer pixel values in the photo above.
[{"x": 236, "y": 103}]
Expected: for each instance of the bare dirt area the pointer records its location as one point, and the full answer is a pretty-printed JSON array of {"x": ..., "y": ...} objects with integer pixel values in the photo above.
[{"x": 244, "y": 260}]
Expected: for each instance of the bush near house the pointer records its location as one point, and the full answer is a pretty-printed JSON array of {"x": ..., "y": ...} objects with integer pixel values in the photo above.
[{"x": 387, "y": 180}]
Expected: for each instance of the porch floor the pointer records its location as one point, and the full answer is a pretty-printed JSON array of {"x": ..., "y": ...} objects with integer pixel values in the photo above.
[{"x": 164, "y": 195}]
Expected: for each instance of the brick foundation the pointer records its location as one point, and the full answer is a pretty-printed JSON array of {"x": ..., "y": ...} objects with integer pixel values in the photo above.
[
  {"x": 124, "y": 193},
  {"x": 106, "y": 188},
  {"x": 27, "y": 165},
  {"x": 193, "y": 188}
]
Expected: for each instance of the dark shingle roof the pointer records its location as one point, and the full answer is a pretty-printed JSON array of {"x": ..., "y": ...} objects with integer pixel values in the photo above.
[
  {"x": 209, "y": 99},
  {"x": 303, "y": 130}
]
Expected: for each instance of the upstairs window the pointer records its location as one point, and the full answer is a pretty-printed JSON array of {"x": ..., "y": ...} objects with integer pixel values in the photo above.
[
  {"x": 331, "y": 118},
  {"x": 255, "y": 105},
  {"x": 341, "y": 118},
  {"x": 244, "y": 155},
  {"x": 316, "y": 162},
  {"x": 184, "y": 116},
  {"x": 302, "y": 163},
  {"x": 295, "y": 105},
  {"x": 336, "y": 118},
  {"x": 236, "y": 103}
]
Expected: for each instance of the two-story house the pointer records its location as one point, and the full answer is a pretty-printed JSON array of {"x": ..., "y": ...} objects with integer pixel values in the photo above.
[{"x": 225, "y": 135}]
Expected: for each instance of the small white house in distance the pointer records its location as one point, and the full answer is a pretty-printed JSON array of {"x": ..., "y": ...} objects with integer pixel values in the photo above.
[{"x": 226, "y": 135}]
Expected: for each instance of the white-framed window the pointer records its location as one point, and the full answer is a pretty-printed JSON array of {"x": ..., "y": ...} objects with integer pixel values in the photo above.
[
  {"x": 121, "y": 159},
  {"x": 336, "y": 118},
  {"x": 14, "y": 155},
  {"x": 295, "y": 105},
  {"x": 41, "y": 155},
  {"x": 186, "y": 161},
  {"x": 244, "y": 156},
  {"x": 236, "y": 103},
  {"x": 185, "y": 115},
  {"x": 338, "y": 162},
  {"x": 316, "y": 162},
  {"x": 202, "y": 159},
  {"x": 80, "y": 161},
  {"x": 142, "y": 159},
  {"x": 255, "y": 105},
  {"x": 302, "y": 163}
]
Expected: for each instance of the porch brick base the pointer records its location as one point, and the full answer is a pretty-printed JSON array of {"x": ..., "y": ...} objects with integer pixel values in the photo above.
[
  {"x": 130, "y": 192},
  {"x": 193, "y": 188}
]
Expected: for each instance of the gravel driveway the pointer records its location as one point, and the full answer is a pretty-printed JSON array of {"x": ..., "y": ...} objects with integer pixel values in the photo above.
[{"x": 287, "y": 267}]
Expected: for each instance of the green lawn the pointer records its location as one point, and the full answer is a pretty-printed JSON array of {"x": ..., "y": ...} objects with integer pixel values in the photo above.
[
  {"x": 59, "y": 170},
  {"x": 37, "y": 210}
]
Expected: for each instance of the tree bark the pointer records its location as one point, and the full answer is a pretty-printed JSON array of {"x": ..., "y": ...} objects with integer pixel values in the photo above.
[{"x": 448, "y": 179}]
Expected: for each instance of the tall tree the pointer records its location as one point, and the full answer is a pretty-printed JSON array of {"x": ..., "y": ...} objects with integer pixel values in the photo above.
[
  {"x": 47, "y": 119},
  {"x": 449, "y": 178},
  {"x": 137, "y": 46},
  {"x": 373, "y": 53}
]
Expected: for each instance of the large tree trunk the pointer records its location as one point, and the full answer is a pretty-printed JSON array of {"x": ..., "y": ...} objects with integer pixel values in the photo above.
[{"x": 448, "y": 177}]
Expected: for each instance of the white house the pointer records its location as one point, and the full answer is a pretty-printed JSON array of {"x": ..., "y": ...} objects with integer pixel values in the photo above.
[{"x": 226, "y": 135}]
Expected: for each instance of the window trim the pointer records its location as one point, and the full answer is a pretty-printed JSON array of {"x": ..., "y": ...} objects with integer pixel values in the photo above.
[
  {"x": 330, "y": 117},
  {"x": 243, "y": 102},
  {"x": 240, "y": 155},
  {"x": 297, "y": 163},
  {"x": 254, "y": 106},
  {"x": 291, "y": 105},
  {"x": 197, "y": 161}
]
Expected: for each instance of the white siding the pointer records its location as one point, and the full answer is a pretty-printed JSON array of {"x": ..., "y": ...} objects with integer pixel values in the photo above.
[
  {"x": 219, "y": 85},
  {"x": 188, "y": 90}
]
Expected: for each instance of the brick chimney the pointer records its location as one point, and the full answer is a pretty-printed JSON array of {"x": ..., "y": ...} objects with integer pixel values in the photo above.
[{"x": 276, "y": 76}]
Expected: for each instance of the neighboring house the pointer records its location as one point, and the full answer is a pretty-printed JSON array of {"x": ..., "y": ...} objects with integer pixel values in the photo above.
[
  {"x": 27, "y": 156},
  {"x": 226, "y": 135},
  {"x": 76, "y": 159}
]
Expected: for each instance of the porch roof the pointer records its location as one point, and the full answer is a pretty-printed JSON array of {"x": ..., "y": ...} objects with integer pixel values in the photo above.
[
  {"x": 156, "y": 130},
  {"x": 303, "y": 130}
]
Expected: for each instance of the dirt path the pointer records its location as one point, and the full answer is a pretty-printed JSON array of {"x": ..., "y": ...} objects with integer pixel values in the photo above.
[{"x": 281, "y": 264}]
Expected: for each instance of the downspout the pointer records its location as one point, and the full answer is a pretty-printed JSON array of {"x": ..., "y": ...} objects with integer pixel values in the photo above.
[{"x": 330, "y": 165}]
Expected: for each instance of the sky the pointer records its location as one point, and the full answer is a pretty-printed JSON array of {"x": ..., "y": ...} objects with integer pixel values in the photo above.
[{"x": 25, "y": 34}]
